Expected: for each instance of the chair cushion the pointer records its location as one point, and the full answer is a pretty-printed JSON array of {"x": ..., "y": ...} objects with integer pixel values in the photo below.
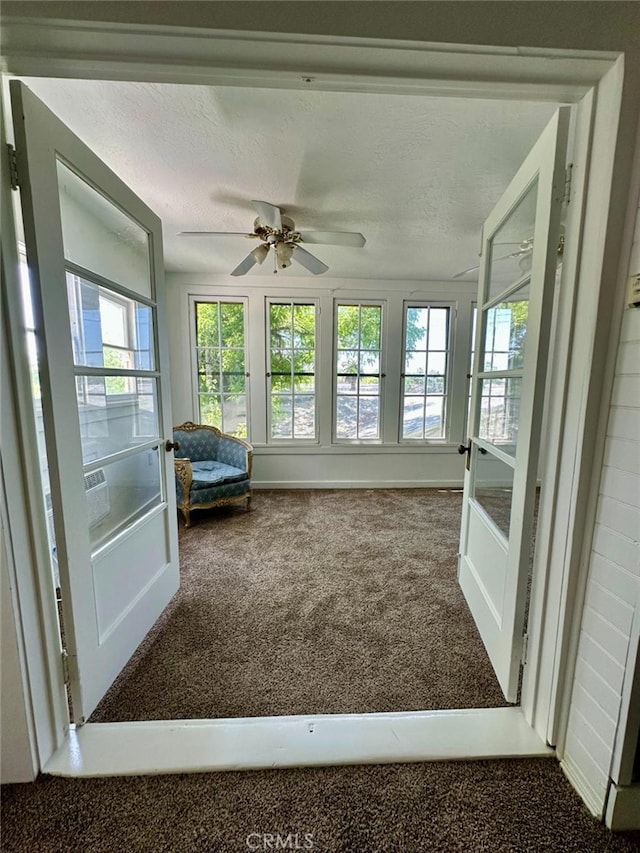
[{"x": 211, "y": 473}]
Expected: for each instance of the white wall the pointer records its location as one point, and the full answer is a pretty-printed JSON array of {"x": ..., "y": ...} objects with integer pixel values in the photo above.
[
  {"x": 329, "y": 465},
  {"x": 16, "y": 760},
  {"x": 608, "y": 643}
]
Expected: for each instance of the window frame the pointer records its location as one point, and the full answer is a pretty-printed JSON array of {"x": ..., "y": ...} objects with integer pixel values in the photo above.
[
  {"x": 445, "y": 438},
  {"x": 360, "y": 303},
  {"x": 293, "y": 301},
  {"x": 194, "y": 301}
]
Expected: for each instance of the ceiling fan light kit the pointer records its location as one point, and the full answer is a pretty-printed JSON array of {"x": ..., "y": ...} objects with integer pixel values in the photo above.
[{"x": 276, "y": 230}]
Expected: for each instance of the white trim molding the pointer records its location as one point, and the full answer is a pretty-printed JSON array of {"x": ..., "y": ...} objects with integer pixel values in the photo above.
[
  {"x": 255, "y": 743},
  {"x": 623, "y": 808},
  {"x": 51, "y": 48}
]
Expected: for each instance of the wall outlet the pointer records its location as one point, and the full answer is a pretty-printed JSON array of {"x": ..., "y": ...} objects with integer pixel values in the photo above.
[{"x": 633, "y": 291}]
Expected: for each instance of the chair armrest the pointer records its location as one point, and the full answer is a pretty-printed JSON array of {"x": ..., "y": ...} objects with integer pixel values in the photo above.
[
  {"x": 184, "y": 475},
  {"x": 235, "y": 451}
]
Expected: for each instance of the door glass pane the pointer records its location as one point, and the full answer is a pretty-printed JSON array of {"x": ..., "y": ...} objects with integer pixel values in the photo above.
[
  {"x": 500, "y": 412},
  {"x": 493, "y": 488},
  {"x": 100, "y": 237},
  {"x": 511, "y": 246},
  {"x": 506, "y": 332},
  {"x": 116, "y": 419},
  {"x": 108, "y": 330},
  {"x": 120, "y": 493}
]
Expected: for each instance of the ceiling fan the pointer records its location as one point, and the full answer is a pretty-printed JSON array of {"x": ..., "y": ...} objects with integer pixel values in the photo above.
[
  {"x": 524, "y": 252},
  {"x": 277, "y": 231}
]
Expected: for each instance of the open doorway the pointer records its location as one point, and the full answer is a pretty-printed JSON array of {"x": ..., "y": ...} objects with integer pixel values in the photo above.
[{"x": 454, "y": 408}]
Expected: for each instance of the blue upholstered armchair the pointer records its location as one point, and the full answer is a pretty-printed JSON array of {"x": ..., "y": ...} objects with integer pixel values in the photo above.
[{"x": 212, "y": 468}]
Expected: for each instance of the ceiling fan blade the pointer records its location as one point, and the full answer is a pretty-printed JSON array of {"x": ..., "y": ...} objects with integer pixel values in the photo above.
[
  {"x": 214, "y": 234},
  {"x": 269, "y": 214},
  {"x": 464, "y": 272},
  {"x": 333, "y": 238},
  {"x": 503, "y": 258},
  {"x": 244, "y": 266},
  {"x": 309, "y": 261}
]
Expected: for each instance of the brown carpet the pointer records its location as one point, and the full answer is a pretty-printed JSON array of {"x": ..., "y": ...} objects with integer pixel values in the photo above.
[
  {"x": 515, "y": 806},
  {"x": 325, "y": 601}
]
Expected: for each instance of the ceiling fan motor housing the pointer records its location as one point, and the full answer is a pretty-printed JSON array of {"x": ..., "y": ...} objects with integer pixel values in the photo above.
[{"x": 273, "y": 235}]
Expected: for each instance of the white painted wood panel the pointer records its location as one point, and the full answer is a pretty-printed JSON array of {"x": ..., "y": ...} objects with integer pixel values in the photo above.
[
  {"x": 630, "y": 330},
  {"x": 623, "y": 454},
  {"x": 606, "y": 635},
  {"x": 615, "y": 547},
  {"x": 626, "y": 390},
  {"x": 613, "y": 583},
  {"x": 587, "y": 705},
  {"x": 585, "y": 774},
  {"x": 611, "y": 671},
  {"x": 610, "y": 607},
  {"x": 585, "y": 732},
  {"x": 624, "y": 422},
  {"x": 588, "y": 679},
  {"x": 628, "y": 357},
  {"x": 620, "y": 485},
  {"x": 617, "y": 579},
  {"x": 117, "y": 588},
  {"x": 618, "y": 516}
]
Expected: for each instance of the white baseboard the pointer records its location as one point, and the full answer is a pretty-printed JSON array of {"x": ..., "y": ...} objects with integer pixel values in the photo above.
[
  {"x": 314, "y": 740},
  {"x": 356, "y": 484},
  {"x": 623, "y": 808}
]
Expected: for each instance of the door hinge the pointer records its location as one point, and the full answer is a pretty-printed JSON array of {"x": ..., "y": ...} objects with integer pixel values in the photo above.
[
  {"x": 13, "y": 167},
  {"x": 568, "y": 175},
  {"x": 525, "y": 648},
  {"x": 65, "y": 667}
]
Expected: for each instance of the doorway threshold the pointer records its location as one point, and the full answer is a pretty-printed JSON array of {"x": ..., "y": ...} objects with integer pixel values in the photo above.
[{"x": 256, "y": 743}]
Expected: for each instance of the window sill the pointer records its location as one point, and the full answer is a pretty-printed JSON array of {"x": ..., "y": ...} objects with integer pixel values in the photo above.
[{"x": 347, "y": 449}]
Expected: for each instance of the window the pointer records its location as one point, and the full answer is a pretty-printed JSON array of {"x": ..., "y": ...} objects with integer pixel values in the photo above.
[
  {"x": 108, "y": 330},
  {"x": 291, "y": 370},
  {"x": 426, "y": 355},
  {"x": 358, "y": 366},
  {"x": 116, "y": 349},
  {"x": 221, "y": 367}
]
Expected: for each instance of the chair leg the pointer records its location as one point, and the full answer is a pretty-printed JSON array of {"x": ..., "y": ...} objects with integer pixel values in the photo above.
[{"x": 248, "y": 506}]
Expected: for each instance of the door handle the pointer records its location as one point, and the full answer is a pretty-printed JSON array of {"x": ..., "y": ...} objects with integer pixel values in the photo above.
[
  {"x": 171, "y": 445},
  {"x": 466, "y": 448}
]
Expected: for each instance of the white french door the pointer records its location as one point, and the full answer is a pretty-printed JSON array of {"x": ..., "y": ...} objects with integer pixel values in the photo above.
[
  {"x": 520, "y": 249},
  {"x": 94, "y": 253}
]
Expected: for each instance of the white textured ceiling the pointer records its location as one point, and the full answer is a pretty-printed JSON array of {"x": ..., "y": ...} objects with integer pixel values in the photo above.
[{"x": 417, "y": 176}]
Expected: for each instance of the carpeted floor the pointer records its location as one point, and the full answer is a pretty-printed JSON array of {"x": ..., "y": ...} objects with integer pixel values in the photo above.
[
  {"x": 325, "y": 601},
  {"x": 515, "y": 806}
]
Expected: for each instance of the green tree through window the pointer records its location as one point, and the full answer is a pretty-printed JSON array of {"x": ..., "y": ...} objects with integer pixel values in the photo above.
[
  {"x": 292, "y": 349},
  {"x": 358, "y": 377},
  {"x": 220, "y": 352}
]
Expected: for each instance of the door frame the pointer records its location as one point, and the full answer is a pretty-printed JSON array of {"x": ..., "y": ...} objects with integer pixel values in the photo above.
[{"x": 601, "y": 86}]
